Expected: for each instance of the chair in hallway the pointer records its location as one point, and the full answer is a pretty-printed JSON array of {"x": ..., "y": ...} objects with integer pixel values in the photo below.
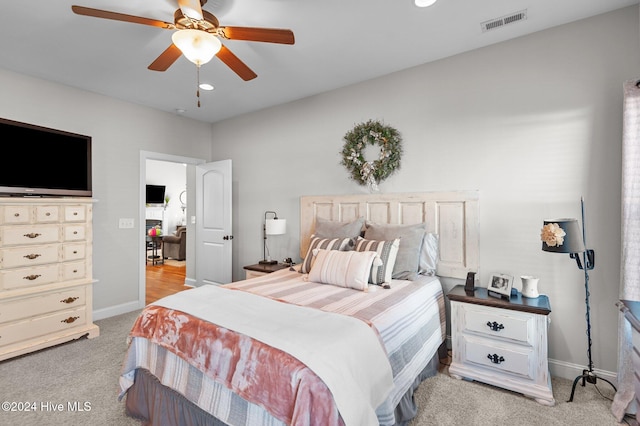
[{"x": 175, "y": 246}]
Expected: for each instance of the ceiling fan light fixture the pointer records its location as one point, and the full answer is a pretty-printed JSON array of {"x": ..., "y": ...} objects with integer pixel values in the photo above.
[
  {"x": 424, "y": 3},
  {"x": 196, "y": 45}
]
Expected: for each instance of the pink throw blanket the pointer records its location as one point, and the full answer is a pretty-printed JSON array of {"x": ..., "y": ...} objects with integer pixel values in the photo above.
[{"x": 271, "y": 378}]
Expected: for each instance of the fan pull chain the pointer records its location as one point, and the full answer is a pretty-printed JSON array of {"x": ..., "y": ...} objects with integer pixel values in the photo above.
[{"x": 198, "y": 84}]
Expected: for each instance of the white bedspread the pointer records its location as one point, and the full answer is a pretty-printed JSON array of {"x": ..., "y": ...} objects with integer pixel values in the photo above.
[{"x": 343, "y": 351}]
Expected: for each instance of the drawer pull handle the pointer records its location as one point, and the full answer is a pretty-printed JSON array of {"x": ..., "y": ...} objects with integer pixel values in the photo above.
[
  {"x": 75, "y": 252},
  {"x": 47, "y": 214},
  {"x": 32, "y": 235},
  {"x": 32, "y": 277},
  {"x": 75, "y": 213},
  {"x": 75, "y": 271},
  {"x": 495, "y": 326},
  {"x": 70, "y": 320},
  {"x": 495, "y": 358},
  {"x": 31, "y": 256},
  {"x": 69, "y": 300},
  {"x": 16, "y": 214},
  {"x": 75, "y": 232}
]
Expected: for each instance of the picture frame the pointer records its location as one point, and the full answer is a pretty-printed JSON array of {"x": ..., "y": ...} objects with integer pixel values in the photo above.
[{"x": 501, "y": 284}]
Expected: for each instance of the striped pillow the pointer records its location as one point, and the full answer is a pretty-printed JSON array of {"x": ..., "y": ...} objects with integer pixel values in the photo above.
[
  {"x": 348, "y": 269},
  {"x": 387, "y": 251},
  {"x": 323, "y": 243}
]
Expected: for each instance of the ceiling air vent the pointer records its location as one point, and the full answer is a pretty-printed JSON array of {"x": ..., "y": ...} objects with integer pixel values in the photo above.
[{"x": 493, "y": 24}]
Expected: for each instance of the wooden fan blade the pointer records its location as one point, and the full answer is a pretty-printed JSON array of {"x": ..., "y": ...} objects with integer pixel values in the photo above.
[
  {"x": 97, "y": 13},
  {"x": 233, "y": 62},
  {"x": 166, "y": 59},
  {"x": 191, "y": 9},
  {"x": 267, "y": 35}
]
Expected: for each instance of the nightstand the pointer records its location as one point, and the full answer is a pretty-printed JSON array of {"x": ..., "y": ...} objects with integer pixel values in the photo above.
[
  {"x": 252, "y": 271},
  {"x": 502, "y": 343}
]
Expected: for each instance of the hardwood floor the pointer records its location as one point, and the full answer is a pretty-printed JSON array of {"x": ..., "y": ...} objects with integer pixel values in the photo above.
[{"x": 163, "y": 280}]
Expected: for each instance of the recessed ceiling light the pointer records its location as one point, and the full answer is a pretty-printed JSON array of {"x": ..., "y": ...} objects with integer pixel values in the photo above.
[
  {"x": 424, "y": 3},
  {"x": 206, "y": 86}
]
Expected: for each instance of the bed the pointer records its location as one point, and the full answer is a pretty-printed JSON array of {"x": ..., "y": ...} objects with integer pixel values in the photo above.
[{"x": 342, "y": 338}]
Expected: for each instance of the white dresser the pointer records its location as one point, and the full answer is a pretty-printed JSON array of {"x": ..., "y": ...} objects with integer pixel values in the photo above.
[
  {"x": 500, "y": 342},
  {"x": 45, "y": 273}
]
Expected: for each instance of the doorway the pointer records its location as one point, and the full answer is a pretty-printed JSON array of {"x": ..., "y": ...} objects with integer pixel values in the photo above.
[{"x": 176, "y": 213}]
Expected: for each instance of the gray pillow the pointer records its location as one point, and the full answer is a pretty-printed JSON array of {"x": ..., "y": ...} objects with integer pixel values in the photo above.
[
  {"x": 335, "y": 229},
  {"x": 411, "y": 236},
  {"x": 429, "y": 254}
]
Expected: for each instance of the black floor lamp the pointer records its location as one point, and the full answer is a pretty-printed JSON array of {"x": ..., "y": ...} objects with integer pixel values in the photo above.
[{"x": 564, "y": 236}]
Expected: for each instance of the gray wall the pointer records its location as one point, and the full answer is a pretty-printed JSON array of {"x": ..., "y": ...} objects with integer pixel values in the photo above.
[{"x": 533, "y": 124}]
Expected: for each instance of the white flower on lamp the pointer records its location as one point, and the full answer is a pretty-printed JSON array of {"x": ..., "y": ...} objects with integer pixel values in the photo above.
[{"x": 552, "y": 235}]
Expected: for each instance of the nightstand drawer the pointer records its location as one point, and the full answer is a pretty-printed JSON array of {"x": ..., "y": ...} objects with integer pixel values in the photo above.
[
  {"x": 504, "y": 358},
  {"x": 499, "y": 323},
  {"x": 252, "y": 274}
]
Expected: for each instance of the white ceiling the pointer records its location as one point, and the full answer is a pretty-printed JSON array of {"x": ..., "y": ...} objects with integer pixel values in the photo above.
[{"x": 337, "y": 43}]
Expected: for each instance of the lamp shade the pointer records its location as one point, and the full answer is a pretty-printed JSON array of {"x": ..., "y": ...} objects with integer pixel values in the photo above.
[
  {"x": 196, "y": 45},
  {"x": 275, "y": 226},
  {"x": 562, "y": 236}
]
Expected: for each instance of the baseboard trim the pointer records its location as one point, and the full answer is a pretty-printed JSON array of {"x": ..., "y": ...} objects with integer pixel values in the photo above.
[
  {"x": 190, "y": 282},
  {"x": 112, "y": 311},
  {"x": 570, "y": 371}
]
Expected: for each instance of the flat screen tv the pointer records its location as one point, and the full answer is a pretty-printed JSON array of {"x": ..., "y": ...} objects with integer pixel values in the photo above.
[
  {"x": 155, "y": 194},
  {"x": 44, "y": 162}
]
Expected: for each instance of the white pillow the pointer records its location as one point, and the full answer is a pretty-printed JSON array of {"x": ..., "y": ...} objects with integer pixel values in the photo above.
[{"x": 348, "y": 269}]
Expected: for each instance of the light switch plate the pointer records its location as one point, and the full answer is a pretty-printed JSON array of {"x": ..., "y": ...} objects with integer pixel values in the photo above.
[{"x": 126, "y": 222}]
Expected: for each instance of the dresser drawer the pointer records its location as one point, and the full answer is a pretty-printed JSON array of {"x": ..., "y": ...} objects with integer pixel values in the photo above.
[
  {"x": 74, "y": 271},
  {"x": 47, "y": 214},
  {"x": 42, "y": 304},
  {"x": 74, "y": 232},
  {"x": 498, "y": 323},
  {"x": 16, "y": 214},
  {"x": 37, "y": 234},
  {"x": 32, "y": 255},
  {"x": 28, "y": 277},
  {"x": 501, "y": 358},
  {"x": 75, "y": 214},
  {"x": 42, "y": 325},
  {"x": 74, "y": 251}
]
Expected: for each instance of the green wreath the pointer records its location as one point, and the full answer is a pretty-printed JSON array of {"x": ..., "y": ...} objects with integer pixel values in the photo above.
[{"x": 371, "y": 173}]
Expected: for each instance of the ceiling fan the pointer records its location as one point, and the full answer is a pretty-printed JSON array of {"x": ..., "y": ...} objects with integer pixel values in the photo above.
[{"x": 198, "y": 35}]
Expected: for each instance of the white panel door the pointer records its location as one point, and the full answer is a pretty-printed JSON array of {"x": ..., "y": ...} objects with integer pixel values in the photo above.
[{"x": 214, "y": 242}]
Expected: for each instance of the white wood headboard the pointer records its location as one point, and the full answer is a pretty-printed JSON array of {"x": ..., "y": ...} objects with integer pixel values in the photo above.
[{"x": 453, "y": 215}]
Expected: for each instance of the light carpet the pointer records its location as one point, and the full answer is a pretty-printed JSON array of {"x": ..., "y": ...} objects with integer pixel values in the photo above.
[{"x": 54, "y": 382}]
